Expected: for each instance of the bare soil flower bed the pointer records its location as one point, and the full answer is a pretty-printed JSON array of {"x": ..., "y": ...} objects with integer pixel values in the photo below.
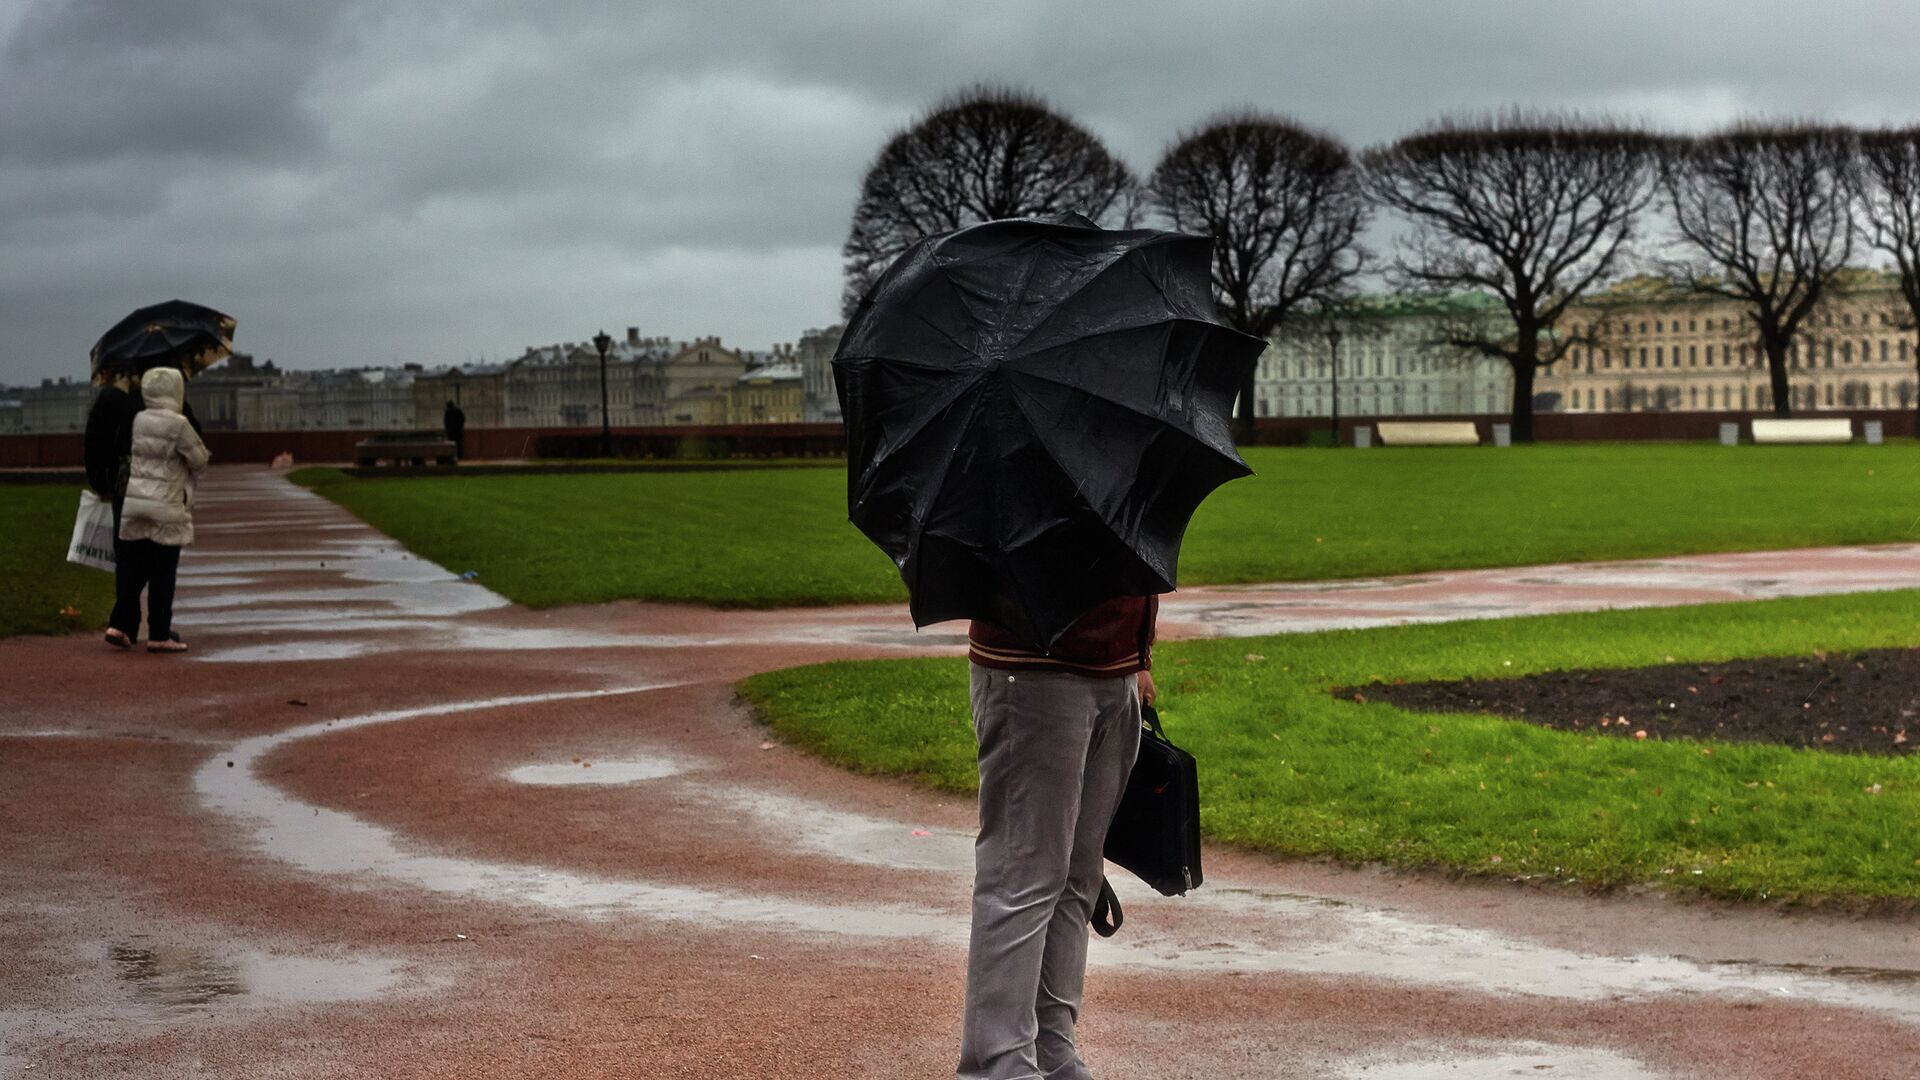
[{"x": 1866, "y": 702}]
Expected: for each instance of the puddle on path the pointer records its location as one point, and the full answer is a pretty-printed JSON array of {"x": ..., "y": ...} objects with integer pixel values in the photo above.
[
  {"x": 1523, "y": 1059},
  {"x": 814, "y": 826},
  {"x": 171, "y": 976},
  {"x": 593, "y": 771},
  {"x": 431, "y": 635},
  {"x": 1276, "y": 932},
  {"x": 162, "y": 982}
]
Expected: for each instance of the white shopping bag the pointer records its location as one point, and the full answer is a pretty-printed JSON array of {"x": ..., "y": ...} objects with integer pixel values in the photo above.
[{"x": 92, "y": 543}]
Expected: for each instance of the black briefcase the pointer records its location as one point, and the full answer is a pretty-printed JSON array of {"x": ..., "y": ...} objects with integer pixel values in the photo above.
[{"x": 1156, "y": 832}]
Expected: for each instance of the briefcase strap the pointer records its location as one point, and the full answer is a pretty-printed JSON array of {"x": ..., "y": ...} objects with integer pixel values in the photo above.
[
  {"x": 1107, "y": 916},
  {"x": 1150, "y": 719}
]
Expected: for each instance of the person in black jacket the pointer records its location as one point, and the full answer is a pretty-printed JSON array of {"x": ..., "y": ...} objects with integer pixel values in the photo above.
[
  {"x": 109, "y": 447},
  {"x": 456, "y": 422}
]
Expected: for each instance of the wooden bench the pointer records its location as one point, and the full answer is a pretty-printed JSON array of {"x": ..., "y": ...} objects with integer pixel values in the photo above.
[
  {"x": 1428, "y": 433},
  {"x": 404, "y": 448},
  {"x": 1835, "y": 430}
]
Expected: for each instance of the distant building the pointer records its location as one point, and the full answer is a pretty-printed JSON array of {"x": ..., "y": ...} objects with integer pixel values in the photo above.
[
  {"x": 699, "y": 380},
  {"x": 821, "y": 402},
  {"x": 56, "y": 405},
  {"x": 650, "y": 381},
  {"x": 375, "y": 399},
  {"x": 770, "y": 394},
  {"x": 479, "y": 389},
  {"x": 1648, "y": 345},
  {"x": 1388, "y": 360},
  {"x": 217, "y": 394},
  {"x": 559, "y": 385}
]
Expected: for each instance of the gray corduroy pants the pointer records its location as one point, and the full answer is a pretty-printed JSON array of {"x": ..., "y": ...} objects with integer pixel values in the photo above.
[{"x": 1055, "y": 752}]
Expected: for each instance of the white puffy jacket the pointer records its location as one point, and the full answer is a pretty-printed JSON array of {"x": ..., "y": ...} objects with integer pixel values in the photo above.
[{"x": 166, "y": 451}]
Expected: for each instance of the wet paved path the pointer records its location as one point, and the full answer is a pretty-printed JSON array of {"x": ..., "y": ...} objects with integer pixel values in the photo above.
[{"x": 384, "y": 824}]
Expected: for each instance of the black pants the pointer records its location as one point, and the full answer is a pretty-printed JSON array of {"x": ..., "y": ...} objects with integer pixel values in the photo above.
[{"x": 142, "y": 565}]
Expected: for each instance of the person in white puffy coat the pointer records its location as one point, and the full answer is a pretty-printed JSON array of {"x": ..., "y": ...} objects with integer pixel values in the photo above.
[{"x": 157, "y": 518}]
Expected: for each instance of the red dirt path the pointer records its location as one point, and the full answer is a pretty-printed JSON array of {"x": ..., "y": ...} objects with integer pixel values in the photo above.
[{"x": 116, "y": 836}]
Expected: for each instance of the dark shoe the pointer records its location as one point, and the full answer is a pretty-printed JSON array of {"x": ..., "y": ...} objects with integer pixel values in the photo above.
[
  {"x": 119, "y": 639},
  {"x": 172, "y": 644}
]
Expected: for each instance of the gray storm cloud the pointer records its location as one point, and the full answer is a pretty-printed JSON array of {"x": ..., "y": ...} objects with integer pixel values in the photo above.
[{"x": 363, "y": 182}]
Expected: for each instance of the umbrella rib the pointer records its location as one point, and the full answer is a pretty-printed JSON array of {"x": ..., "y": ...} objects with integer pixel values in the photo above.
[
  {"x": 1061, "y": 304},
  {"x": 1095, "y": 392},
  {"x": 873, "y": 466},
  {"x": 1040, "y": 434},
  {"x": 946, "y": 473}
]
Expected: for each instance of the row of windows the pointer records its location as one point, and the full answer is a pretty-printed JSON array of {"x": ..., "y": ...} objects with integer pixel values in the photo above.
[
  {"x": 1672, "y": 326},
  {"x": 1852, "y": 395},
  {"x": 1303, "y": 369},
  {"x": 1602, "y": 359}
]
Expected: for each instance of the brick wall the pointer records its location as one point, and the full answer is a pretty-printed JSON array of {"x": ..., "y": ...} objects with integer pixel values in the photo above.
[{"x": 815, "y": 440}]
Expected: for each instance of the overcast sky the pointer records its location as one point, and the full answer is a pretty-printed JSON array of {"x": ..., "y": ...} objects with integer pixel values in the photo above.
[{"x": 442, "y": 180}]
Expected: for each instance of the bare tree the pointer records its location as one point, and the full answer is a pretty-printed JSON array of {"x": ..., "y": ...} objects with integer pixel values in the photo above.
[
  {"x": 980, "y": 155},
  {"x": 1890, "y": 198},
  {"x": 1536, "y": 210},
  {"x": 1764, "y": 215},
  {"x": 1285, "y": 209}
]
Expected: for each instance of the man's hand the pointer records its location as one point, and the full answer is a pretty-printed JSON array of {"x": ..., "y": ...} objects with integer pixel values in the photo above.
[{"x": 1147, "y": 693}]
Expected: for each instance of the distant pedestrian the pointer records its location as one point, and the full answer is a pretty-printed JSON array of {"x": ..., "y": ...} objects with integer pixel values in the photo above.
[
  {"x": 456, "y": 422},
  {"x": 156, "y": 517},
  {"x": 109, "y": 443}
]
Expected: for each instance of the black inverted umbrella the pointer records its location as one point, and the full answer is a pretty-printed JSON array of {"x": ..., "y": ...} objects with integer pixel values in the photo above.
[
  {"x": 174, "y": 334},
  {"x": 1034, "y": 410}
]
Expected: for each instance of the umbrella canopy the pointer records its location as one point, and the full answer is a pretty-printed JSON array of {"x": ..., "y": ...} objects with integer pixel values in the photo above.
[
  {"x": 1034, "y": 409},
  {"x": 175, "y": 334}
]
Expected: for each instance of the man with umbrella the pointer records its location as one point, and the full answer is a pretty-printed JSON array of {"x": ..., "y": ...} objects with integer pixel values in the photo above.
[
  {"x": 1034, "y": 410},
  {"x": 176, "y": 334}
]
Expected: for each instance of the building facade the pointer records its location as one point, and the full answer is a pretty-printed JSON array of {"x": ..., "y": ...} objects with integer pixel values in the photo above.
[
  {"x": 814, "y": 352},
  {"x": 371, "y": 399},
  {"x": 479, "y": 389},
  {"x": 1384, "y": 359},
  {"x": 56, "y": 405},
  {"x": 769, "y": 394},
  {"x": 650, "y": 381},
  {"x": 1646, "y": 345}
]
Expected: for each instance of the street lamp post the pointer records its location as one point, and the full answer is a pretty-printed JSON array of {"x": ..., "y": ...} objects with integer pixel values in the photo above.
[{"x": 602, "y": 342}]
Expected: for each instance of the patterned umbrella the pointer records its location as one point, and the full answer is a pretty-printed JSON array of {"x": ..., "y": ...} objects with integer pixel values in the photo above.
[{"x": 175, "y": 334}]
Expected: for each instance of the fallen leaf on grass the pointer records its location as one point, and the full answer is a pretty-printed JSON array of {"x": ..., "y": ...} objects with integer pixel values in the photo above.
[
  {"x": 1872, "y": 789},
  {"x": 70, "y": 611}
]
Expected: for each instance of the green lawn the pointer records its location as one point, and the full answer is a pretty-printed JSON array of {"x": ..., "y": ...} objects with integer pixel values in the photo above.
[
  {"x": 754, "y": 538},
  {"x": 777, "y": 538},
  {"x": 1288, "y": 768},
  {"x": 36, "y": 580}
]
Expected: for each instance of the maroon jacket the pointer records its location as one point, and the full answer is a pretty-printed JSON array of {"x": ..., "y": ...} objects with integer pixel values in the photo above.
[{"x": 1113, "y": 639}]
